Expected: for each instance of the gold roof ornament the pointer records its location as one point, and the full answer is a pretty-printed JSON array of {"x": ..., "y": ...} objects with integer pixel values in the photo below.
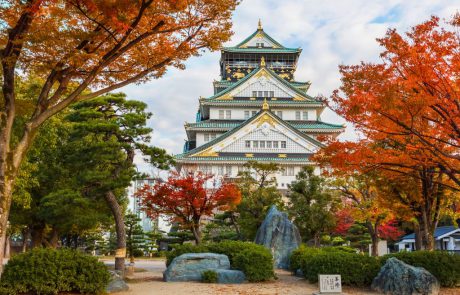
[
  {"x": 265, "y": 105},
  {"x": 262, "y": 62},
  {"x": 260, "y": 25}
]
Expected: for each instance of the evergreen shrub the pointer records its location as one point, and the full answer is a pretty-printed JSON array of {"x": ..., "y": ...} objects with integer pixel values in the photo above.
[
  {"x": 51, "y": 271},
  {"x": 443, "y": 265},
  {"x": 209, "y": 276},
  {"x": 252, "y": 257}
]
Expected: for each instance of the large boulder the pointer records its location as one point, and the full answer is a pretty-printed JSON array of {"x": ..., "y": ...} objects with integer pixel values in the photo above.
[
  {"x": 280, "y": 235},
  {"x": 189, "y": 266},
  {"x": 229, "y": 276},
  {"x": 116, "y": 283},
  {"x": 399, "y": 278}
]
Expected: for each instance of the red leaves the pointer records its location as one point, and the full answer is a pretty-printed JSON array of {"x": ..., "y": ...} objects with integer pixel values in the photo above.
[
  {"x": 390, "y": 231},
  {"x": 188, "y": 198}
]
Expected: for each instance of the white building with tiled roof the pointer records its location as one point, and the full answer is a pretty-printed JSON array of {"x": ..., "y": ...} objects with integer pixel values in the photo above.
[{"x": 258, "y": 112}]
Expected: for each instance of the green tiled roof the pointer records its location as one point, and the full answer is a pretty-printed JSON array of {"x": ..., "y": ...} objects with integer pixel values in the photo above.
[
  {"x": 247, "y": 77},
  {"x": 260, "y": 102},
  {"x": 262, "y": 50},
  {"x": 232, "y": 131},
  {"x": 255, "y": 33},
  {"x": 220, "y": 159},
  {"x": 299, "y": 125}
]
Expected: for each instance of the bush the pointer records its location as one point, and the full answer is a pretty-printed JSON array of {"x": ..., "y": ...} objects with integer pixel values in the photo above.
[
  {"x": 209, "y": 276},
  {"x": 355, "y": 269},
  {"x": 443, "y": 265},
  {"x": 257, "y": 264},
  {"x": 50, "y": 271},
  {"x": 262, "y": 257}
]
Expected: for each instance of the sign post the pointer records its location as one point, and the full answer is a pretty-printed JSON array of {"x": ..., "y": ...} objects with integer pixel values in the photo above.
[{"x": 330, "y": 284}]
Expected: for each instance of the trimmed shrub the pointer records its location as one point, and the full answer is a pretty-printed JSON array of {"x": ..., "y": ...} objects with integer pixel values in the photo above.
[
  {"x": 355, "y": 269},
  {"x": 257, "y": 264},
  {"x": 50, "y": 271},
  {"x": 262, "y": 257},
  {"x": 209, "y": 276},
  {"x": 443, "y": 265}
]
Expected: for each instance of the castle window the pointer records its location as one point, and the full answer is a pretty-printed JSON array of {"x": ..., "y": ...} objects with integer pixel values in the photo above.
[
  {"x": 246, "y": 114},
  {"x": 305, "y": 116},
  {"x": 254, "y": 113},
  {"x": 228, "y": 170},
  {"x": 206, "y": 137},
  {"x": 260, "y": 93},
  {"x": 283, "y": 144},
  {"x": 266, "y": 93},
  {"x": 221, "y": 114},
  {"x": 255, "y": 144},
  {"x": 269, "y": 144},
  {"x": 275, "y": 144},
  {"x": 254, "y": 94},
  {"x": 248, "y": 143},
  {"x": 279, "y": 114},
  {"x": 262, "y": 144},
  {"x": 272, "y": 93},
  {"x": 228, "y": 114},
  {"x": 297, "y": 115}
]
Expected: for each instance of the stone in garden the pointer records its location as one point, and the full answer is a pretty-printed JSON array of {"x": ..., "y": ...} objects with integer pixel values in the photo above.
[
  {"x": 280, "y": 235},
  {"x": 230, "y": 276},
  {"x": 189, "y": 266},
  {"x": 116, "y": 283},
  {"x": 399, "y": 278}
]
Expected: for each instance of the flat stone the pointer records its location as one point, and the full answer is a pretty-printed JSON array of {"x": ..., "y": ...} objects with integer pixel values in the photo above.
[
  {"x": 399, "y": 278},
  {"x": 189, "y": 266},
  {"x": 280, "y": 235},
  {"x": 229, "y": 276},
  {"x": 116, "y": 283}
]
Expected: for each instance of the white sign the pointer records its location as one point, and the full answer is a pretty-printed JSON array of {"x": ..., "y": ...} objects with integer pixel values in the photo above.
[{"x": 330, "y": 284}]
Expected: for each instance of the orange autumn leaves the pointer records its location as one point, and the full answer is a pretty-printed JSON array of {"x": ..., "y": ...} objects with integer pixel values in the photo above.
[{"x": 188, "y": 198}]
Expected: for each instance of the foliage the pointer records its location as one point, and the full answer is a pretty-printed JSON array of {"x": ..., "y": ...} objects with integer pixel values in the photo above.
[
  {"x": 134, "y": 236},
  {"x": 254, "y": 260},
  {"x": 443, "y": 265},
  {"x": 257, "y": 264},
  {"x": 209, "y": 276},
  {"x": 311, "y": 205},
  {"x": 187, "y": 199},
  {"x": 48, "y": 271},
  {"x": 259, "y": 193},
  {"x": 355, "y": 269}
]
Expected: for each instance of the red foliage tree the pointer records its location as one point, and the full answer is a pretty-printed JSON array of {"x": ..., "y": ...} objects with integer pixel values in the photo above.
[
  {"x": 186, "y": 199},
  {"x": 344, "y": 221},
  {"x": 390, "y": 230}
]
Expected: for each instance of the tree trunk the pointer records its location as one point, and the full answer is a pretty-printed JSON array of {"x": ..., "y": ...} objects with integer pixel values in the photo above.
[
  {"x": 7, "y": 247},
  {"x": 418, "y": 236},
  {"x": 374, "y": 238},
  {"x": 196, "y": 231},
  {"x": 25, "y": 238},
  {"x": 117, "y": 212},
  {"x": 37, "y": 238}
]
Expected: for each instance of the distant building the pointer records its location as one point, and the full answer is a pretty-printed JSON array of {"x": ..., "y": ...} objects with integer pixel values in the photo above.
[
  {"x": 134, "y": 203},
  {"x": 446, "y": 238}
]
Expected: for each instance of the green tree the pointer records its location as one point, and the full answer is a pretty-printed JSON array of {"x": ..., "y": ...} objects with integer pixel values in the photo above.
[
  {"x": 258, "y": 189},
  {"x": 108, "y": 132},
  {"x": 311, "y": 205},
  {"x": 135, "y": 239}
]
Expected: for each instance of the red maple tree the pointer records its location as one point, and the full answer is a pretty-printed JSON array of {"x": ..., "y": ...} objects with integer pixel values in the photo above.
[{"x": 187, "y": 199}]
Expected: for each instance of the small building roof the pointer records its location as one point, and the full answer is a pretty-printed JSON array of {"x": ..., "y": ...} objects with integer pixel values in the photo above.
[{"x": 439, "y": 232}]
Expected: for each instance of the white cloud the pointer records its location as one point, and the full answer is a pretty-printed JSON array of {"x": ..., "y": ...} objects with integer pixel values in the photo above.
[{"x": 330, "y": 32}]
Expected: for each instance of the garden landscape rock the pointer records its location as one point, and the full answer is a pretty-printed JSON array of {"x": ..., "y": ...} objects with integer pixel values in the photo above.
[
  {"x": 229, "y": 276},
  {"x": 399, "y": 278},
  {"x": 280, "y": 235},
  {"x": 116, "y": 284},
  {"x": 189, "y": 266}
]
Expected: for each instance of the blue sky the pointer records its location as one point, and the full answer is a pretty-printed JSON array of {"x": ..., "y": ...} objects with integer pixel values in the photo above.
[{"x": 330, "y": 32}]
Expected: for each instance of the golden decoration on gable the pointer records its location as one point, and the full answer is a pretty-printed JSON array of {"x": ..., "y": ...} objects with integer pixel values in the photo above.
[
  {"x": 266, "y": 118},
  {"x": 282, "y": 156},
  {"x": 238, "y": 75},
  {"x": 249, "y": 155},
  {"x": 207, "y": 153}
]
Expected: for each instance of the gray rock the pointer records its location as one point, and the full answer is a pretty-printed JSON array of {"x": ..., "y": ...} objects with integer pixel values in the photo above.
[
  {"x": 116, "y": 283},
  {"x": 189, "y": 266},
  {"x": 399, "y": 278},
  {"x": 299, "y": 273},
  {"x": 227, "y": 276},
  {"x": 280, "y": 235}
]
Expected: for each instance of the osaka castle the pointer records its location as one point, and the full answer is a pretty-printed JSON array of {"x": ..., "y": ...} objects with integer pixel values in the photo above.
[{"x": 258, "y": 112}]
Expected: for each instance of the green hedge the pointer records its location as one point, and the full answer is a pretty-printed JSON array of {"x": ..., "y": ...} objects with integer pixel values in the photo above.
[
  {"x": 360, "y": 270},
  {"x": 443, "y": 265},
  {"x": 254, "y": 260},
  {"x": 50, "y": 271}
]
